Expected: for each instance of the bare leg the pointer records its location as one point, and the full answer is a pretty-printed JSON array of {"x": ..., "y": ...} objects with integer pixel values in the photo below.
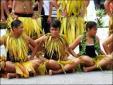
[
  {"x": 110, "y": 46},
  {"x": 36, "y": 64},
  {"x": 2, "y": 12},
  {"x": 12, "y": 75},
  {"x": 10, "y": 67},
  {"x": 10, "y": 70},
  {"x": 67, "y": 67},
  {"x": 53, "y": 65},
  {"x": 86, "y": 60},
  {"x": 102, "y": 63}
]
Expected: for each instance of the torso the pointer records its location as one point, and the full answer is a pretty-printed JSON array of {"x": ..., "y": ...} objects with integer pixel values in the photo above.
[
  {"x": 58, "y": 50},
  {"x": 111, "y": 7},
  {"x": 17, "y": 49},
  {"x": 89, "y": 47},
  {"x": 90, "y": 51},
  {"x": 23, "y": 6}
]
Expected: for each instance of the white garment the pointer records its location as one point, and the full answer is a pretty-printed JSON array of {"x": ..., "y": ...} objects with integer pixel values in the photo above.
[
  {"x": 91, "y": 12},
  {"x": 46, "y": 6},
  {"x": 3, "y": 51}
]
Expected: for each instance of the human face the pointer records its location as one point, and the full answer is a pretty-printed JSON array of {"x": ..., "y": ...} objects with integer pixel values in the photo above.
[
  {"x": 18, "y": 31},
  {"x": 92, "y": 32},
  {"x": 54, "y": 31}
]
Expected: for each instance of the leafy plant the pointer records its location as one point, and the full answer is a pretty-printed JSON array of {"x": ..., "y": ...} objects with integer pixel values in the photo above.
[{"x": 100, "y": 13}]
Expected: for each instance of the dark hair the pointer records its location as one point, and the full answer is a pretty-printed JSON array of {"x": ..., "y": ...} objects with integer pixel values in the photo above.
[
  {"x": 56, "y": 24},
  {"x": 90, "y": 25},
  {"x": 15, "y": 24}
]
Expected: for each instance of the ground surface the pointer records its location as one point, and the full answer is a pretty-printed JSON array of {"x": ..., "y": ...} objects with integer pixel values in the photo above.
[
  {"x": 104, "y": 77},
  {"x": 99, "y": 77}
]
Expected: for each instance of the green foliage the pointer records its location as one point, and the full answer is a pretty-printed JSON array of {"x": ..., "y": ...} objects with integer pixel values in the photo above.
[{"x": 100, "y": 13}]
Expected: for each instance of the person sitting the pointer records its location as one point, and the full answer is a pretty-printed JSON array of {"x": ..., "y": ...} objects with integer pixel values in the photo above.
[
  {"x": 56, "y": 51},
  {"x": 17, "y": 44},
  {"x": 89, "y": 46}
]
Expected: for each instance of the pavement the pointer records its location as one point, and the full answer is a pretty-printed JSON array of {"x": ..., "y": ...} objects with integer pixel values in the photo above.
[{"x": 90, "y": 78}]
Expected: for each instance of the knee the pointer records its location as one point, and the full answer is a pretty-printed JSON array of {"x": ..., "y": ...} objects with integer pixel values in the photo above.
[
  {"x": 84, "y": 58},
  {"x": 77, "y": 61},
  {"x": 51, "y": 62},
  {"x": 10, "y": 67},
  {"x": 9, "y": 64}
]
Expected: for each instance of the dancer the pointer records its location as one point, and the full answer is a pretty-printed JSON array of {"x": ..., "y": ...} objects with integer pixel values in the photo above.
[
  {"x": 17, "y": 45},
  {"x": 56, "y": 51},
  {"x": 23, "y": 11},
  {"x": 109, "y": 9},
  {"x": 89, "y": 46},
  {"x": 71, "y": 13}
]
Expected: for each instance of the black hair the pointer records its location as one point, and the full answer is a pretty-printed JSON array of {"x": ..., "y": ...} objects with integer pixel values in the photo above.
[
  {"x": 15, "y": 24},
  {"x": 56, "y": 24},
  {"x": 90, "y": 25}
]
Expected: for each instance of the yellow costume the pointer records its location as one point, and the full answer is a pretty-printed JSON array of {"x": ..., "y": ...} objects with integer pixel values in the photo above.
[
  {"x": 18, "y": 49},
  {"x": 73, "y": 22},
  {"x": 56, "y": 49},
  {"x": 32, "y": 27}
]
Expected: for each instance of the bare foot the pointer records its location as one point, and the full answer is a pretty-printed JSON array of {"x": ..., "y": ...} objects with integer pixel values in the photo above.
[
  {"x": 85, "y": 69},
  {"x": 12, "y": 75},
  {"x": 50, "y": 72}
]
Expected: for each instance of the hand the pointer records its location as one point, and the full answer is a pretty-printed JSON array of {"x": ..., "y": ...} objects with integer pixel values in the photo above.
[
  {"x": 3, "y": 19},
  {"x": 14, "y": 16},
  {"x": 64, "y": 14},
  {"x": 49, "y": 19},
  {"x": 30, "y": 58}
]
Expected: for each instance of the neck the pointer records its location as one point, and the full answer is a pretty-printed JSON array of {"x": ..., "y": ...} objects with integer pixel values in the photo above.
[
  {"x": 14, "y": 35},
  {"x": 88, "y": 35},
  {"x": 55, "y": 36}
]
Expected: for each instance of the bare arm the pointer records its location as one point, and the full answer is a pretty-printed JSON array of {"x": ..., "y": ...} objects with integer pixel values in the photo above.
[
  {"x": 73, "y": 46},
  {"x": 2, "y": 11},
  {"x": 87, "y": 2},
  {"x": 40, "y": 5},
  {"x": 106, "y": 44},
  {"x": 50, "y": 12},
  {"x": 13, "y": 7},
  {"x": 5, "y": 7},
  {"x": 53, "y": 3},
  {"x": 72, "y": 52},
  {"x": 13, "y": 10},
  {"x": 2, "y": 40},
  {"x": 75, "y": 43},
  {"x": 100, "y": 47},
  {"x": 41, "y": 39},
  {"x": 35, "y": 4},
  {"x": 32, "y": 45},
  {"x": 38, "y": 42},
  {"x": 106, "y": 5}
]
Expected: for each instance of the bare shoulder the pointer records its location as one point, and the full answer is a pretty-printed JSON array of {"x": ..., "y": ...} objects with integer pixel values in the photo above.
[
  {"x": 97, "y": 38},
  {"x": 80, "y": 37}
]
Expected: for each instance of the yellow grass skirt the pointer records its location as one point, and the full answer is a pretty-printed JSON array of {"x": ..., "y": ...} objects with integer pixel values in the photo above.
[
  {"x": 72, "y": 27},
  {"x": 96, "y": 60},
  {"x": 42, "y": 67},
  {"x": 24, "y": 68},
  {"x": 32, "y": 27}
]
